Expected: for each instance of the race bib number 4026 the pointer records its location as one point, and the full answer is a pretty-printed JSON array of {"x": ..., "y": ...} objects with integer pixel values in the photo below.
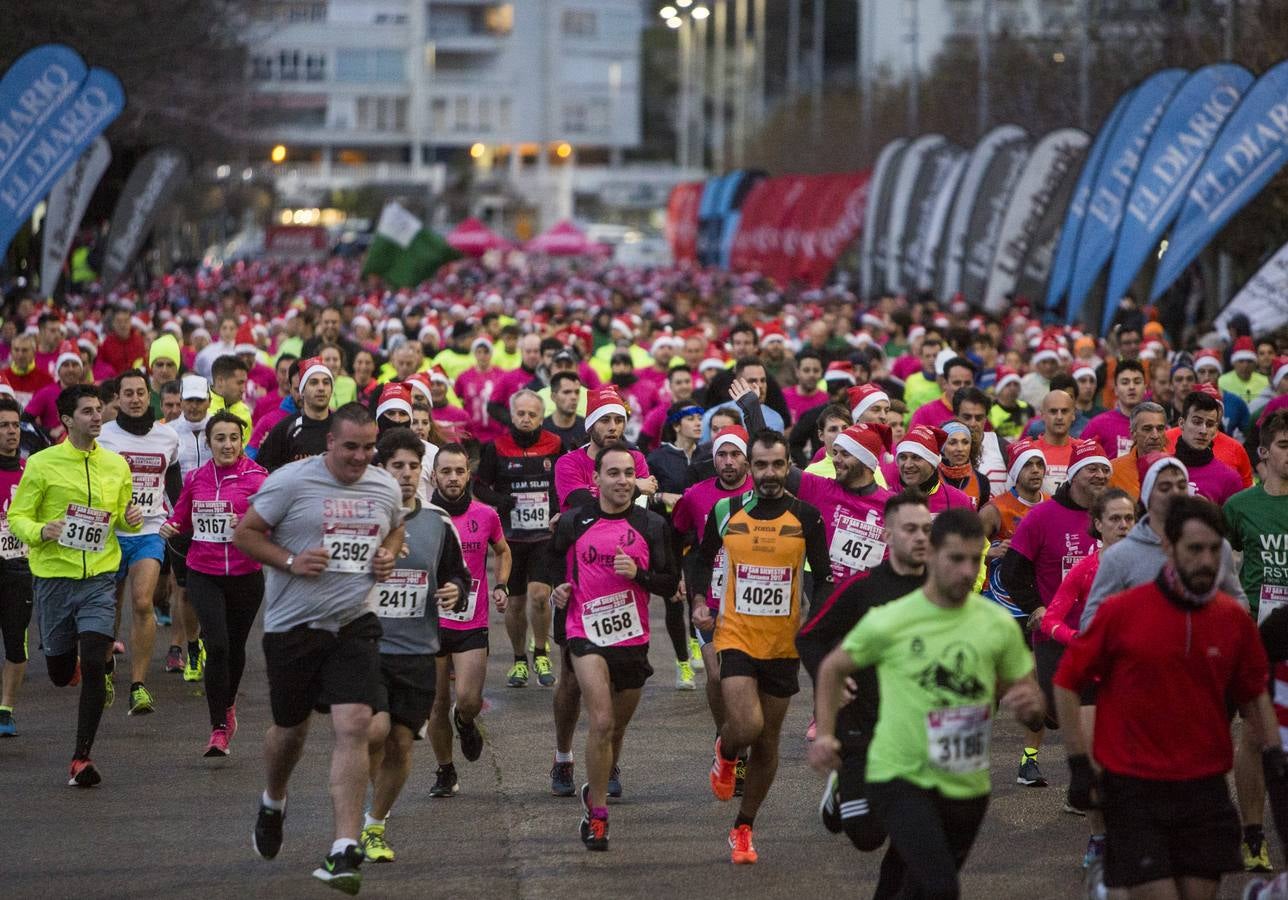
[{"x": 762, "y": 590}]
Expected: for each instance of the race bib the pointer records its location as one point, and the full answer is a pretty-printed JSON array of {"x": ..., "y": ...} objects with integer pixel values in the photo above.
[
  {"x": 611, "y": 620},
  {"x": 957, "y": 738},
  {"x": 531, "y": 511},
  {"x": 403, "y": 594},
  {"x": 718, "y": 577},
  {"x": 762, "y": 590},
  {"x": 350, "y": 547},
  {"x": 85, "y": 528},
  {"x": 10, "y": 546},
  {"x": 1066, "y": 565},
  {"x": 212, "y": 521},
  {"x": 856, "y": 545},
  {"x": 1272, "y": 597},
  {"x": 471, "y": 605},
  {"x": 147, "y": 482}
]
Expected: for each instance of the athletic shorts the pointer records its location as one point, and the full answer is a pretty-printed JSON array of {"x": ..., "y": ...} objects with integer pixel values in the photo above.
[
  {"x": 628, "y": 667},
  {"x": 72, "y": 606},
  {"x": 775, "y": 677},
  {"x": 529, "y": 562},
  {"x": 406, "y": 688},
  {"x": 15, "y": 611},
  {"x": 1168, "y": 829},
  {"x": 138, "y": 547},
  {"x": 312, "y": 670},
  {"x": 176, "y": 555},
  {"x": 453, "y": 640},
  {"x": 1046, "y": 659}
]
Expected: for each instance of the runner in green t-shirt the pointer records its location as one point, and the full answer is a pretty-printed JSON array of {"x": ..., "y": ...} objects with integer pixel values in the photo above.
[{"x": 942, "y": 655}]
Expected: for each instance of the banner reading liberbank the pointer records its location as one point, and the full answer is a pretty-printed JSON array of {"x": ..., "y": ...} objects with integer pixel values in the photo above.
[
  {"x": 153, "y": 181},
  {"x": 1048, "y": 167},
  {"x": 1181, "y": 141},
  {"x": 952, "y": 254},
  {"x": 1067, "y": 244},
  {"x": 1264, "y": 299},
  {"x": 986, "y": 218},
  {"x": 1251, "y": 148},
  {"x": 1113, "y": 182},
  {"x": 872, "y": 251},
  {"x": 66, "y": 207}
]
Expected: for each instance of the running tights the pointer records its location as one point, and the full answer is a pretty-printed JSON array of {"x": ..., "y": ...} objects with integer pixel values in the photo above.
[
  {"x": 930, "y": 838},
  {"x": 677, "y": 627},
  {"x": 226, "y": 606},
  {"x": 15, "y": 614},
  {"x": 94, "y": 649}
]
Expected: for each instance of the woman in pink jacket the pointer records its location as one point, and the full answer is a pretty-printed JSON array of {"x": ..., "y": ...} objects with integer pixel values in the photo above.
[{"x": 224, "y": 586}]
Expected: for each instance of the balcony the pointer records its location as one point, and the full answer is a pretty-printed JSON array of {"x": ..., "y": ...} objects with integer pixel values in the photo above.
[
  {"x": 295, "y": 177},
  {"x": 469, "y": 28}
]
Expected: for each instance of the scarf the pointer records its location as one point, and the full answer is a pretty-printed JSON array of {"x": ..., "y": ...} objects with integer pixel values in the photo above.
[
  {"x": 1169, "y": 582},
  {"x": 10, "y": 463},
  {"x": 454, "y": 508},
  {"x": 136, "y": 425},
  {"x": 525, "y": 439},
  {"x": 962, "y": 477},
  {"x": 1191, "y": 457},
  {"x": 625, "y": 381}
]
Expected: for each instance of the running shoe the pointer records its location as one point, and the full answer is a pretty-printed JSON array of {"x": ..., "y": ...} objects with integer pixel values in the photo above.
[
  {"x": 615, "y": 783},
  {"x": 83, "y": 774},
  {"x": 446, "y": 784},
  {"x": 829, "y": 808},
  {"x": 174, "y": 659},
  {"x": 695, "y": 654},
  {"x": 374, "y": 845},
  {"x": 545, "y": 674},
  {"x": 1070, "y": 808},
  {"x": 1256, "y": 856},
  {"x": 141, "y": 702},
  {"x": 1266, "y": 889},
  {"x": 471, "y": 737},
  {"x": 340, "y": 870},
  {"x": 1095, "y": 851},
  {"x": 267, "y": 837},
  {"x": 8, "y": 728},
  {"x": 1094, "y": 881},
  {"x": 162, "y": 616},
  {"x": 109, "y": 696},
  {"x": 195, "y": 668},
  {"x": 518, "y": 675},
  {"x": 741, "y": 850},
  {"x": 593, "y": 829},
  {"x": 684, "y": 676},
  {"x": 722, "y": 775},
  {"x": 218, "y": 746},
  {"x": 1030, "y": 775},
  {"x": 811, "y": 731},
  {"x": 739, "y": 775},
  {"x": 561, "y": 780},
  {"x": 230, "y": 719}
]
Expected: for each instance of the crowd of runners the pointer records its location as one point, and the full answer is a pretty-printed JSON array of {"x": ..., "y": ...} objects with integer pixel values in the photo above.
[{"x": 945, "y": 517}]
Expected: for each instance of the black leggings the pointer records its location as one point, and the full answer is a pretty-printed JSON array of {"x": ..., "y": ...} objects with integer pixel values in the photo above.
[
  {"x": 930, "y": 838},
  {"x": 94, "y": 649},
  {"x": 226, "y": 605},
  {"x": 677, "y": 626},
  {"x": 15, "y": 614}
]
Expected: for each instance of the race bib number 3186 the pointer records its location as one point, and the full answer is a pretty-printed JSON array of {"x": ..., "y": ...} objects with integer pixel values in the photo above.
[{"x": 957, "y": 738}]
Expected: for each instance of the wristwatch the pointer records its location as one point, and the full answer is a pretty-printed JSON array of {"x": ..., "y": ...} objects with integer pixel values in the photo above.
[{"x": 290, "y": 561}]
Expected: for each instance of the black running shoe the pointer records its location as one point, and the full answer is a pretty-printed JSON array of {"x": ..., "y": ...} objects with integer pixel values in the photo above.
[
  {"x": 593, "y": 830},
  {"x": 561, "y": 780},
  {"x": 615, "y": 783},
  {"x": 1029, "y": 774},
  {"x": 267, "y": 839},
  {"x": 829, "y": 808},
  {"x": 446, "y": 784},
  {"x": 471, "y": 737},
  {"x": 340, "y": 870}
]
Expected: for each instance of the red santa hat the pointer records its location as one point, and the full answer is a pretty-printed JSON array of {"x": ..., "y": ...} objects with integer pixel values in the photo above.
[
  {"x": 1243, "y": 351},
  {"x": 840, "y": 370},
  {"x": 866, "y": 443},
  {"x": 1021, "y": 453},
  {"x": 1005, "y": 375},
  {"x": 439, "y": 374},
  {"x": 1048, "y": 348},
  {"x": 772, "y": 332},
  {"x": 67, "y": 352},
  {"x": 924, "y": 441},
  {"x": 1208, "y": 359},
  {"x": 394, "y": 397},
  {"x": 863, "y": 397},
  {"x": 1083, "y": 370},
  {"x": 419, "y": 383},
  {"x": 481, "y": 341},
  {"x": 1086, "y": 453},
  {"x": 604, "y": 402},
  {"x": 245, "y": 340},
  {"x": 734, "y": 435},
  {"x": 1149, "y": 467},
  {"x": 1212, "y": 391},
  {"x": 1279, "y": 368},
  {"x": 313, "y": 366}
]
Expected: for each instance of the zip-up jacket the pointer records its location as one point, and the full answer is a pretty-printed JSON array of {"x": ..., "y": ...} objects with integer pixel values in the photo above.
[
  {"x": 57, "y": 477},
  {"x": 519, "y": 464},
  {"x": 236, "y": 484},
  {"x": 194, "y": 452}
]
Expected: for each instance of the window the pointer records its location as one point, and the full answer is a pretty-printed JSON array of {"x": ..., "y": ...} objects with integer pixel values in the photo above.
[
  {"x": 503, "y": 113},
  {"x": 485, "y": 113},
  {"x": 579, "y": 23},
  {"x": 382, "y": 113},
  {"x": 438, "y": 114},
  {"x": 461, "y": 114},
  {"x": 261, "y": 67},
  {"x": 367, "y": 66},
  {"x": 315, "y": 67},
  {"x": 598, "y": 116},
  {"x": 288, "y": 65},
  {"x": 575, "y": 118}
]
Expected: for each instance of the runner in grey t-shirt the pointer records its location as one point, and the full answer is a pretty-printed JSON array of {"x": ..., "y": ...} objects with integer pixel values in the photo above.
[{"x": 326, "y": 529}]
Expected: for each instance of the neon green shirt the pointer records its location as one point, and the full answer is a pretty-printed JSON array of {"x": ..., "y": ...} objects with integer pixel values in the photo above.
[{"x": 938, "y": 671}]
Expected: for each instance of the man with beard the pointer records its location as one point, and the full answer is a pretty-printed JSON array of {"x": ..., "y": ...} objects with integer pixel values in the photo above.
[
  {"x": 767, "y": 536},
  {"x": 576, "y": 485},
  {"x": 1162, "y": 742},
  {"x": 151, "y": 449}
]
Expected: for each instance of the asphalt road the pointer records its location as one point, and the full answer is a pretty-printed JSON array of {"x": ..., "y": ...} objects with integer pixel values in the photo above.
[{"x": 164, "y": 823}]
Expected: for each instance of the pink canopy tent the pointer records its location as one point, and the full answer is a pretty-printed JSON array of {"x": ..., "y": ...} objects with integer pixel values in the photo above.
[
  {"x": 563, "y": 239},
  {"x": 473, "y": 238}
]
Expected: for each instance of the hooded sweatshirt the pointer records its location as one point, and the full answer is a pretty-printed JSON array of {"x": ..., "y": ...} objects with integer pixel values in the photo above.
[{"x": 1137, "y": 559}]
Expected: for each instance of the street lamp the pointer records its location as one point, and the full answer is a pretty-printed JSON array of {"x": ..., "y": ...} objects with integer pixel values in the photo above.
[
  {"x": 667, "y": 12},
  {"x": 674, "y": 22},
  {"x": 700, "y": 12}
]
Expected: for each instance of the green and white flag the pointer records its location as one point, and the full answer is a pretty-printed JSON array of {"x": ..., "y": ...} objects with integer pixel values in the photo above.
[{"x": 403, "y": 251}]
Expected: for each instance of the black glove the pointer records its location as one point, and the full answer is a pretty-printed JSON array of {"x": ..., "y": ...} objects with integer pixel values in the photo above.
[
  {"x": 1082, "y": 778},
  {"x": 1274, "y": 764}
]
